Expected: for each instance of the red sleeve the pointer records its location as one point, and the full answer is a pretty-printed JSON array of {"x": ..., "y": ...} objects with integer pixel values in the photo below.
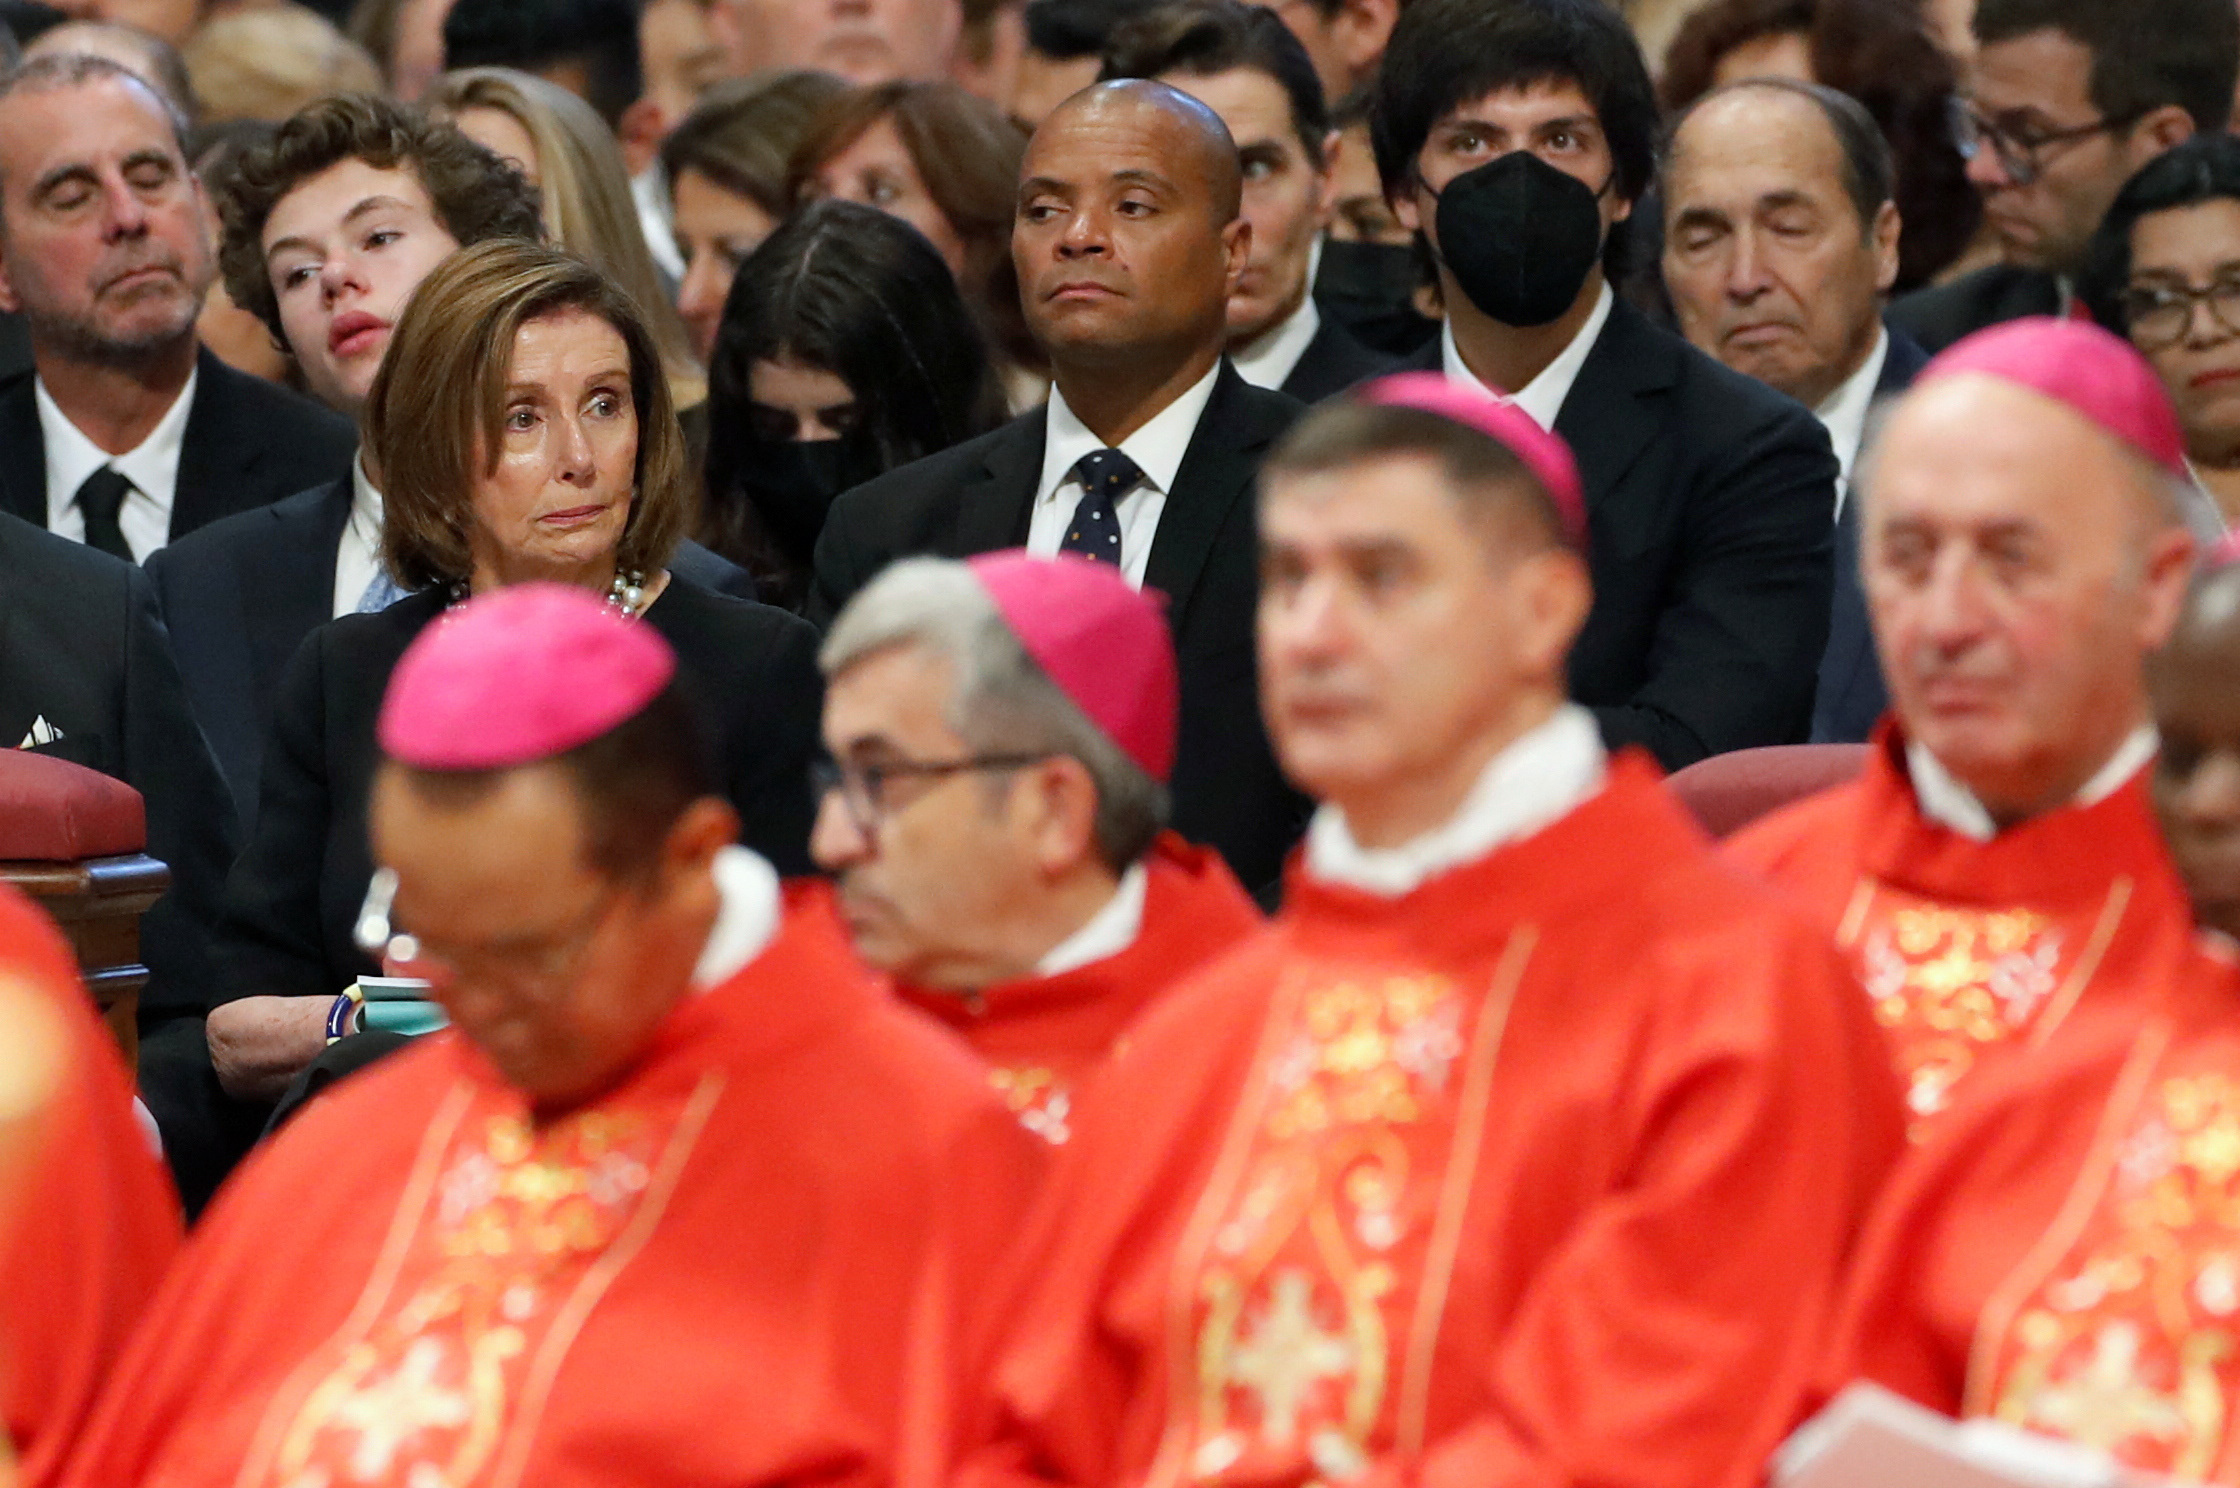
[{"x": 98, "y": 1227}]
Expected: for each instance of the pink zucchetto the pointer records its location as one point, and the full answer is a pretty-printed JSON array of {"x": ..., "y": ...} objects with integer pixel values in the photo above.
[
  {"x": 2076, "y": 363},
  {"x": 1544, "y": 454},
  {"x": 1105, "y": 645},
  {"x": 519, "y": 676}
]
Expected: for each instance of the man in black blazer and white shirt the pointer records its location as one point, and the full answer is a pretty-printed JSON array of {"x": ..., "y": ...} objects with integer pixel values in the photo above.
[
  {"x": 1516, "y": 137},
  {"x": 127, "y": 433},
  {"x": 1128, "y": 242},
  {"x": 1245, "y": 64},
  {"x": 1780, "y": 242}
]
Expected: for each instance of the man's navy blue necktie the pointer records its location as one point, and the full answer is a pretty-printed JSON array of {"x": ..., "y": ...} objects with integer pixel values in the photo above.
[
  {"x": 1106, "y": 475},
  {"x": 100, "y": 500}
]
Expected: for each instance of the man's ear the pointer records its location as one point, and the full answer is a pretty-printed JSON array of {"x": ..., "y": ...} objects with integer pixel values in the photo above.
[
  {"x": 8, "y": 300},
  {"x": 1065, "y": 801},
  {"x": 1885, "y": 235},
  {"x": 701, "y": 830},
  {"x": 2160, "y": 130},
  {"x": 640, "y": 131},
  {"x": 2166, "y": 574},
  {"x": 1326, "y": 188},
  {"x": 1236, "y": 240}
]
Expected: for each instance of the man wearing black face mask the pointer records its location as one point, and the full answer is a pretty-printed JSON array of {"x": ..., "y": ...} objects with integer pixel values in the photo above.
[{"x": 1516, "y": 137}]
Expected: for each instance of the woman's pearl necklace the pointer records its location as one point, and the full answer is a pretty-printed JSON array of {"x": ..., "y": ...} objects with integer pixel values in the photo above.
[
  {"x": 628, "y": 591},
  {"x": 626, "y": 595}
]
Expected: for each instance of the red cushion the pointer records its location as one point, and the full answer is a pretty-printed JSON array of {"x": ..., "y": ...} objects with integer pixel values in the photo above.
[
  {"x": 1727, "y": 792},
  {"x": 52, "y": 810}
]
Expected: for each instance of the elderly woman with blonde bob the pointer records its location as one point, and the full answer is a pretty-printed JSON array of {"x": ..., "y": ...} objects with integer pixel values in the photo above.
[{"x": 521, "y": 431}]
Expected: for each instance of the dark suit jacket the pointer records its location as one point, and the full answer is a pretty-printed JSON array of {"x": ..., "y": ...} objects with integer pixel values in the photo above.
[
  {"x": 1851, "y": 695},
  {"x": 1708, "y": 496},
  {"x": 292, "y": 901},
  {"x": 1941, "y": 314},
  {"x": 247, "y": 443},
  {"x": 979, "y": 497},
  {"x": 240, "y": 596},
  {"x": 81, "y": 647},
  {"x": 1333, "y": 362}
]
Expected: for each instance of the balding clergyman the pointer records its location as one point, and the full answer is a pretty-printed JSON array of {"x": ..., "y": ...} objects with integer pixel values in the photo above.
[{"x": 1128, "y": 241}]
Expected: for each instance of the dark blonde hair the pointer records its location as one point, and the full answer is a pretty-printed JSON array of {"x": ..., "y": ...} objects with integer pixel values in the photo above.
[{"x": 433, "y": 419}]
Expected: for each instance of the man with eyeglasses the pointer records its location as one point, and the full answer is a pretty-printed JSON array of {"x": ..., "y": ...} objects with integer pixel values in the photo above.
[
  {"x": 1002, "y": 731},
  {"x": 1516, "y": 136},
  {"x": 682, "y": 1199},
  {"x": 2065, "y": 99}
]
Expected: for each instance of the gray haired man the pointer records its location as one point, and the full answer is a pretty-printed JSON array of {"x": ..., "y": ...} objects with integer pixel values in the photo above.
[{"x": 1001, "y": 731}]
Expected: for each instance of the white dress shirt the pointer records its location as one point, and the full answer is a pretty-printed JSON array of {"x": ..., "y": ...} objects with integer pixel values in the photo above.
[
  {"x": 649, "y": 193},
  {"x": 1543, "y": 396},
  {"x": 746, "y": 916},
  {"x": 1157, "y": 448},
  {"x": 1108, "y": 932},
  {"x": 152, "y": 467},
  {"x": 1843, "y": 413},
  {"x": 1537, "y": 781},
  {"x": 1275, "y": 351},
  {"x": 1945, "y": 800},
  {"x": 358, "y": 558}
]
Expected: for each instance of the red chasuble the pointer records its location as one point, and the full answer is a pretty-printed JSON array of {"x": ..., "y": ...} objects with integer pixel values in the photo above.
[
  {"x": 1539, "y": 1174},
  {"x": 1042, "y": 1035},
  {"x": 741, "y": 1266},
  {"x": 2064, "y": 1251},
  {"x": 1971, "y": 949},
  {"x": 94, "y": 1228}
]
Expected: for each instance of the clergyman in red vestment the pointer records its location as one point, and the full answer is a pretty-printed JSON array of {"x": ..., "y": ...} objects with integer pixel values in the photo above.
[
  {"x": 1994, "y": 874},
  {"x": 1004, "y": 729},
  {"x": 1524, "y": 1148},
  {"x": 681, "y": 1200},
  {"x": 92, "y": 1221},
  {"x": 2060, "y": 1253}
]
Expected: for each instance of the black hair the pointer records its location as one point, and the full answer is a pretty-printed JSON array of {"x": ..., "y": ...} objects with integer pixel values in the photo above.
[
  {"x": 1448, "y": 53},
  {"x": 852, "y": 291},
  {"x": 2203, "y": 169},
  {"x": 1868, "y": 174},
  {"x": 1199, "y": 38},
  {"x": 1064, "y": 30},
  {"x": 2145, "y": 53},
  {"x": 536, "y": 36}
]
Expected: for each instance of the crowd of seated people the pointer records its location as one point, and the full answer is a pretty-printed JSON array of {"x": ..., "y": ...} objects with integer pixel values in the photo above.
[{"x": 951, "y": 742}]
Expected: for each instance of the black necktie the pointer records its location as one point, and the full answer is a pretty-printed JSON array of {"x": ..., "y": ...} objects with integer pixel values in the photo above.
[
  {"x": 1106, "y": 475},
  {"x": 101, "y": 498}
]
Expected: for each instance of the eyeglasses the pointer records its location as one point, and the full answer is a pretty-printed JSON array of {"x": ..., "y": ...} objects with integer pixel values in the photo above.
[
  {"x": 863, "y": 787},
  {"x": 2021, "y": 151},
  {"x": 2160, "y": 315},
  {"x": 523, "y": 966}
]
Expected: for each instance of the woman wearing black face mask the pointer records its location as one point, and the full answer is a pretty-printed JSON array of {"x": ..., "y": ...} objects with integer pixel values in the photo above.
[{"x": 845, "y": 350}]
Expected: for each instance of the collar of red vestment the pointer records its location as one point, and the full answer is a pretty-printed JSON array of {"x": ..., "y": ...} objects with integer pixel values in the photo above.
[
  {"x": 1468, "y": 908},
  {"x": 2073, "y": 850}
]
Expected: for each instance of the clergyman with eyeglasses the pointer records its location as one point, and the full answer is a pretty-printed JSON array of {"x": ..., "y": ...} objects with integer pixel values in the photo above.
[
  {"x": 2064, "y": 101},
  {"x": 2164, "y": 269},
  {"x": 1002, "y": 730}
]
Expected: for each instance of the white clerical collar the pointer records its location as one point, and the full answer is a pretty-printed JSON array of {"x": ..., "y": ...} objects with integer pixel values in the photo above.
[
  {"x": 1543, "y": 396},
  {"x": 1945, "y": 800},
  {"x": 1268, "y": 362},
  {"x": 746, "y": 920},
  {"x": 1157, "y": 447},
  {"x": 1108, "y": 932},
  {"x": 1844, "y": 412},
  {"x": 1539, "y": 779}
]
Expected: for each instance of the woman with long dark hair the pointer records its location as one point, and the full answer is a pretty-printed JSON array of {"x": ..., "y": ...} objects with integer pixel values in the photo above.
[{"x": 845, "y": 350}]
